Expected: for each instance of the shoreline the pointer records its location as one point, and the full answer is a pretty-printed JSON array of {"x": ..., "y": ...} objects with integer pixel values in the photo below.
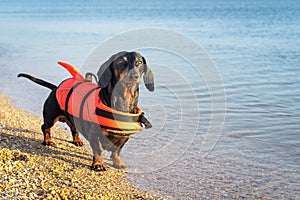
[{"x": 32, "y": 171}]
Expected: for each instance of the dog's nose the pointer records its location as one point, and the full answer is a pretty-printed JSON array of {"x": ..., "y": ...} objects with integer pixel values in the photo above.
[{"x": 133, "y": 74}]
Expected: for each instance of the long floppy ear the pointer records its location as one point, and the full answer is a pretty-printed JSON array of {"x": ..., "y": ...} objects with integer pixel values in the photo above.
[
  {"x": 105, "y": 72},
  {"x": 148, "y": 77},
  {"x": 104, "y": 75}
]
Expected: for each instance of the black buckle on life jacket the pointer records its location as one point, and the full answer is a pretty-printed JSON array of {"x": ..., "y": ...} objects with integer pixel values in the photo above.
[{"x": 145, "y": 121}]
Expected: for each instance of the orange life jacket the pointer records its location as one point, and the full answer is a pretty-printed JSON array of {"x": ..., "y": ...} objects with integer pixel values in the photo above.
[{"x": 80, "y": 99}]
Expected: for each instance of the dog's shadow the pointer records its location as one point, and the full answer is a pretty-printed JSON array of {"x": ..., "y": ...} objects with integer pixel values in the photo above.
[{"x": 30, "y": 142}]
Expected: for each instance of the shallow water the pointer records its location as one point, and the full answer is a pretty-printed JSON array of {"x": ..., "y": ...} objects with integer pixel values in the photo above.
[{"x": 256, "y": 49}]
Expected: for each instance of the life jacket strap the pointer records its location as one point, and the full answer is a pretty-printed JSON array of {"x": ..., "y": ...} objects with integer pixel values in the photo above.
[
  {"x": 124, "y": 118},
  {"x": 83, "y": 102},
  {"x": 67, "y": 101},
  {"x": 115, "y": 116},
  {"x": 69, "y": 95}
]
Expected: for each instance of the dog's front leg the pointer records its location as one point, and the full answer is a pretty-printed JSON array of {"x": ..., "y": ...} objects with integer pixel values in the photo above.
[
  {"x": 117, "y": 161},
  {"x": 118, "y": 142},
  {"x": 98, "y": 162},
  {"x": 97, "y": 154}
]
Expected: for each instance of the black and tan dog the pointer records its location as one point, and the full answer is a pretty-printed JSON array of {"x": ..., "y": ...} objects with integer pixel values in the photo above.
[{"x": 102, "y": 125}]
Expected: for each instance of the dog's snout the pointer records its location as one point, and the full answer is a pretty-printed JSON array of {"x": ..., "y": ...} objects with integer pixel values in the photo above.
[{"x": 133, "y": 74}]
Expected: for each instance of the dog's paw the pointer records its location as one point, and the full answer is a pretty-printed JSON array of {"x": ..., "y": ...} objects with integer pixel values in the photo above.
[
  {"x": 98, "y": 167},
  {"x": 98, "y": 163},
  {"x": 48, "y": 143},
  {"x": 117, "y": 161},
  {"x": 77, "y": 141},
  {"x": 119, "y": 166}
]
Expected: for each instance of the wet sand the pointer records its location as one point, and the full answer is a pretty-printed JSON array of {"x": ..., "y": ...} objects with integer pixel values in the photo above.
[{"x": 29, "y": 170}]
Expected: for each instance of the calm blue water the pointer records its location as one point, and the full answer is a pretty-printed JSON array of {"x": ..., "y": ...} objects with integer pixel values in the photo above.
[{"x": 255, "y": 46}]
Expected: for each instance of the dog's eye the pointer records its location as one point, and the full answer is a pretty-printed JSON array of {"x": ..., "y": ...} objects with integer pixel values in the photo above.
[
  {"x": 121, "y": 61},
  {"x": 140, "y": 62}
]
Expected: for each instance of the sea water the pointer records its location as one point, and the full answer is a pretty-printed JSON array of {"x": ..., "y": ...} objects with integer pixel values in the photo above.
[{"x": 254, "y": 47}]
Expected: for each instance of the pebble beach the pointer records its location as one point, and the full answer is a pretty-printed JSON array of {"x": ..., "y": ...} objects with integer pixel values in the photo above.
[{"x": 29, "y": 170}]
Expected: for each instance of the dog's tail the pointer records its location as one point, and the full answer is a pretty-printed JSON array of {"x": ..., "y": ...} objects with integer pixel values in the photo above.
[{"x": 38, "y": 81}]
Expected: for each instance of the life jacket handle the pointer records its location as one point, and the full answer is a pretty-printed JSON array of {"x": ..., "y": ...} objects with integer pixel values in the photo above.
[{"x": 89, "y": 77}]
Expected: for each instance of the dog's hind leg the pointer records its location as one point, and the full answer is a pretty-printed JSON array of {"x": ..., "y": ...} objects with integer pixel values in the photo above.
[
  {"x": 46, "y": 128},
  {"x": 51, "y": 112},
  {"x": 76, "y": 139}
]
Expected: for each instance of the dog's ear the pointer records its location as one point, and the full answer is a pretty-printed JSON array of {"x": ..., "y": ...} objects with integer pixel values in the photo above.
[
  {"x": 104, "y": 75},
  {"x": 148, "y": 76},
  {"x": 105, "y": 72}
]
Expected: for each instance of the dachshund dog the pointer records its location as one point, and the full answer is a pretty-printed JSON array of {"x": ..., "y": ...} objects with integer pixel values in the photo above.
[{"x": 117, "y": 89}]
